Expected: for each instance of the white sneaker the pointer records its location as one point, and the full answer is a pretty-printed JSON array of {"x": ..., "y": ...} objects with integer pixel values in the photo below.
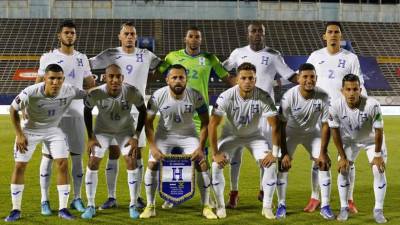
[
  {"x": 267, "y": 213},
  {"x": 167, "y": 205},
  {"x": 221, "y": 213},
  {"x": 208, "y": 213}
]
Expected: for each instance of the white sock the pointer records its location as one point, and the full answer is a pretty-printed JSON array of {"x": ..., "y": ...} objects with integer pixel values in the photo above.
[
  {"x": 91, "y": 180},
  {"x": 325, "y": 186},
  {"x": 269, "y": 184},
  {"x": 151, "y": 183},
  {"x": 352, "y": 175},
  {"x": 111, "y": 175},
  {"x": 77, "y": 174},
  {"x": 45, "y": 177},
  {"x": 379, "y": 187},
  {"x": 16, "y": 195},
  {"x": 133, "y": 177},
  {"x": 343, "y": 182},
  {"x": 139, "y": 164},
  {"x": 236, "y": 161},
  {"x": 205, "y": 187},
  {"x": 314, "y": 181},
  {"x": 218, "y": 182},
  {"x": 281, "y": 187},
  {"x": 261, "y": 169},
  {"x": 63, "y": 195}
]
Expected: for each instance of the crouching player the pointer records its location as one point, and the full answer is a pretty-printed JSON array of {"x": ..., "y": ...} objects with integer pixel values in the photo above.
[
  {"x": 244, "y": 105},
  {"x": 356, "y": 123},
  {"x": 44, "y": 104},
  {"x": 113, "y": 123},
  {"x": 304, "y": 114},
  {"x": 177, "y": 104}
]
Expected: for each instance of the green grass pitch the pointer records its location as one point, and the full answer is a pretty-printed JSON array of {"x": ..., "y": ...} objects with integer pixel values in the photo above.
[{"x": 249, "y": 210}]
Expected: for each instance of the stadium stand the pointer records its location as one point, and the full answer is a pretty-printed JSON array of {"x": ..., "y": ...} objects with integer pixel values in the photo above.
[{"x": 32, "y": 37}]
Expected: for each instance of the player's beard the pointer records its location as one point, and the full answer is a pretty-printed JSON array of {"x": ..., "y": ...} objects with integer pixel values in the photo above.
[
  {"x": 68, "y": 44},
  {"x": 178, "y": 89}
]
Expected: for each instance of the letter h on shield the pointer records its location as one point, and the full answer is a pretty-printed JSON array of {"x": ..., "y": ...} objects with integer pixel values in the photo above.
[{"x": 177, "y": 172}]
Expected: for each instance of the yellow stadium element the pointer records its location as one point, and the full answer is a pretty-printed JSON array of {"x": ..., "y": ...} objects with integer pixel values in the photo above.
[
  {"x": 388, "y": 59},
  {"x": 20, "y": 57}
]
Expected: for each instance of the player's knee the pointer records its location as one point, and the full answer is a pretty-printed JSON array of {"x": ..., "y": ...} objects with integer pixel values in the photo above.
[
  {"x": 114, "y": 152},
  {"x": 94, "y": 163},
  {"x": 152, "y": 165},
  {"x": 130, "y": 162},
  {"x": 20, "y": 167},
  {"x": 62, "y": 164},
  {"x": 201, "y": 166}
]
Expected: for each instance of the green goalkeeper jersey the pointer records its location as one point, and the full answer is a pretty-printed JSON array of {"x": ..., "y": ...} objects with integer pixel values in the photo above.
[{"x": 199, "y": 67}]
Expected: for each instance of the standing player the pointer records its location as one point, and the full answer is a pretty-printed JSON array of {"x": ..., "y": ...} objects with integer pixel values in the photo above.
[
  {"x": 244, "y": 105},
  {"x": 269, "y": 63},
  {"x": 304, "y": 112},
  {"x": 44, "y": 104},
  {"x": 113, "y": 123},
  {"x": 135, "y": 64},
  {"x": 177, "y": 105},
  {"x": 77, "y": 72},
  {"x": 356, "y": 123},
  {"x": 332, "y": 63},
  {"x": 200, "y": 66}
]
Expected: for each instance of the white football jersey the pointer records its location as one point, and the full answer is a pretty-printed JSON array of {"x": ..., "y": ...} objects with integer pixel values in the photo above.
[
  {"x": 304, "y": 114},
  {"x": 331, "y": 69},
  {"x": 176, "y": 115},
  {"x": 244, "y": 114},
  {"x": 76, "y": 69},
  {"x": 356, "y": 125},
  {"x": 45, "y": 112},
  {"x": 114, "y": 112},
  {"x": 268, "y": 62},
  {"x": 135, "y": 66}
]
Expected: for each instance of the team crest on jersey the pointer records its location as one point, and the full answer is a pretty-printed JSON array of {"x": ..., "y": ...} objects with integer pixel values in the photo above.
[
  {"x": 176, "y": 178},
  {"x": 317, "y": 107},
  {"x": 202, "y": 61},
  {"x": 79, "y": 62},
  {"x": 188, "y": 109}
]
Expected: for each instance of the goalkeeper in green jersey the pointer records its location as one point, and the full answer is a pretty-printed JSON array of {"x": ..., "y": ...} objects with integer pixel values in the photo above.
[{"x": 200, "y": 65}]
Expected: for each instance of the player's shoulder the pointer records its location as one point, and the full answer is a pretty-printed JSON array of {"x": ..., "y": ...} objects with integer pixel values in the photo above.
[
  {"x": 34, "y": 88},
  {"x": 339, "y": 103},
  {"x": 272, "y": 51},
  {"x": 261, "y": 94},
  {"x": 49, "y": 54},
  {"x": 144, "y": 51},
  {"x": 321, "y": 51},
  {"x": 160, "y": 92},
  {"x": 293, "y": 91},
  {"x": 193, "y": 93},
  {"x": 321, "y": 93},
  {"x": 79, "y": 54},
  {"x": 370, "y": 101},
  {"x": 228, "y": 93}
]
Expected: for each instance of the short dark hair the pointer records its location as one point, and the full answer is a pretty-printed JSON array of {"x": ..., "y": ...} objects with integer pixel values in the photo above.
[
  {"x": 176, "y": 66},
  {"x": 195, "y": 28},
  {"x": 350, "y": 77},
  {"x": 127, "y": 24},
  {"x": 66, "y": 23},
  {"x": 306, "y": 66},
  {"x": 335, "y": 23},
  {"x": 246, "y": 66},
  {"x": 53, "y": 68},
  {"x": 256, "y": 23}
]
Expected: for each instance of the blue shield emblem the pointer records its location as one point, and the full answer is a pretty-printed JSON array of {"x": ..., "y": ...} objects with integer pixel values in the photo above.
[{"x": 176, "y": 178}]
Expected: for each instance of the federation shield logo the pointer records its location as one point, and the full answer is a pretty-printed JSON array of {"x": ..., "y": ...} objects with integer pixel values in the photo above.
[{"x": 176, "y": 178}]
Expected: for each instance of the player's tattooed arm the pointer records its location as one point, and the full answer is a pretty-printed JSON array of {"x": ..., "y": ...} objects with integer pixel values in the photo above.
[
  {"x": 378, "y": 159},
  {"x": 149, "y": 128},
  {"x": 217, "y": 156},
  {"x": 343, "y": 164},
  {"x": 324, "y": 162},
  {"x": 21, "y": 142}
]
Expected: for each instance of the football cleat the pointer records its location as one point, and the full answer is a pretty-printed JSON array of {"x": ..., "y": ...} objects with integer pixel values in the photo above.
[
  {"x": 233, "y": 200},
  {"x": 209, "y": 214},
  {"x": 78, "y": 205},
  {"x": 326, "y": 213},
  {"x": 133, "y": 212},
  {"x": 312, "y": 205},
  {"x": 281, "y": 212},
  {"x": 65, "y": 214},
  {"x": 89, "y": 213},
  {"x": 352, "y": 207},
  {"x": 344, "y": 214},
  {"x": 46, "y": 210},
  {"x": 167, "y": 205},
  {"x": 14, "y": 216},
  {"x": 378, "y": 216},
  {"x": 149, "y": 211},
  {"x": 267, "y": 213},
  {"x": 110, "y": 203}
]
